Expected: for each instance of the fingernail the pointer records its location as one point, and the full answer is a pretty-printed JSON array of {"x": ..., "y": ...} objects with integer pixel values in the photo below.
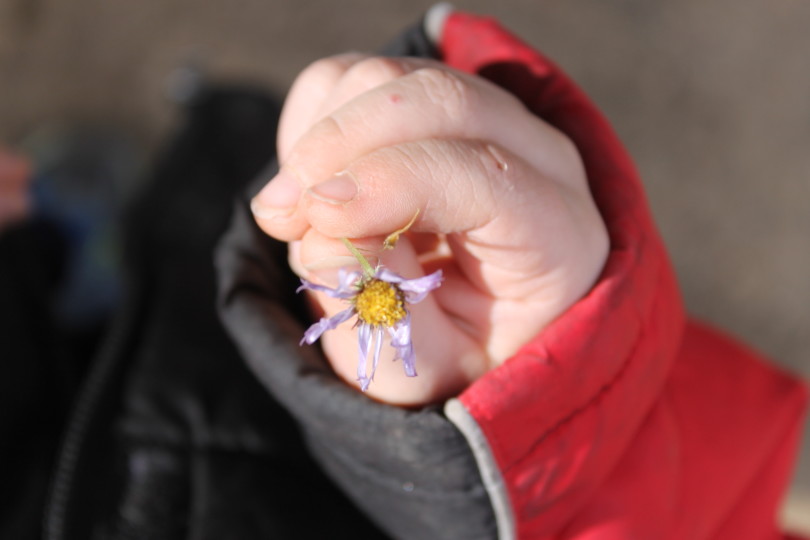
[
  {"x": 278, "y": 198},
  {"x": 340, "y": 189}
]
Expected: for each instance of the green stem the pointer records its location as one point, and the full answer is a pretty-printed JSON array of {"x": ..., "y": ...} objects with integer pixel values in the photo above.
[{"x": 367, "y": 268}]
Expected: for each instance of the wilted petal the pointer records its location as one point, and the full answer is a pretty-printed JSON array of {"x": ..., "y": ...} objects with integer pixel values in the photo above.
[
  {"x": 415, "y": 289},
  {"x": 378, "y": 338},
  {"x": 387, "y": 275},
  {"x": 401, "y": 341},
  {"x": 370, "y": 336},
  {"x": 344, "y": 290},
  {"x": 364, "y": 349},
  {"x": 327, "y": 323}
]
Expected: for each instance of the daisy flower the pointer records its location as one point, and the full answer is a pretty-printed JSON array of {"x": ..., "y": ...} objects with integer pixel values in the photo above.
[{"x": 379, "y": 298}]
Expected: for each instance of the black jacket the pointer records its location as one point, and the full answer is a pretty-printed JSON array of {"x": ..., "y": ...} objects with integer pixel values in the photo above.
[{"x": 181, "y": 429}]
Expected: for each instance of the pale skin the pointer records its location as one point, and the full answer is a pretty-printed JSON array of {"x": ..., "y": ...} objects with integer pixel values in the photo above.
[{"x": 503, "y": 207}]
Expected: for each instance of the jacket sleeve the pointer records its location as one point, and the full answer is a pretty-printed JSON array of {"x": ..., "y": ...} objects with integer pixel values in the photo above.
[
  {"x": 412, "y": 472},
  {"x": 599, "y": 427},
  {"x": 593, "y": 429},
  {"x": 409, "y": 471}
]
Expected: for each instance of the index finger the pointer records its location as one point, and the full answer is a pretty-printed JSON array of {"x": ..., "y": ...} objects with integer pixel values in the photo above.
[{"x": 430, "y": 102}]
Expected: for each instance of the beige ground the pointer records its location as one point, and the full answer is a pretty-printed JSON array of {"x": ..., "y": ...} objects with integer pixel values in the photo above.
[{"x": 710, "y": 97}]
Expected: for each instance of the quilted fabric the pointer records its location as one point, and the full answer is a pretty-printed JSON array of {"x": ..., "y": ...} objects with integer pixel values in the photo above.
[{"x": 622, "y": 419}]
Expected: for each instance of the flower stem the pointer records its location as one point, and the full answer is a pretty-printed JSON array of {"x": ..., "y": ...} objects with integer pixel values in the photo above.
[{"x": 368, "y": 270}]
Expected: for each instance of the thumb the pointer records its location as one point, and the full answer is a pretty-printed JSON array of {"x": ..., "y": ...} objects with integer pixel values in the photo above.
[{"x": 502, "y": 217}]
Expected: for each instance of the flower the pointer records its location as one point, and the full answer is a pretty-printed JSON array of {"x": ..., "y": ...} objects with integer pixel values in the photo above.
[{"x": 380, "y": 301}]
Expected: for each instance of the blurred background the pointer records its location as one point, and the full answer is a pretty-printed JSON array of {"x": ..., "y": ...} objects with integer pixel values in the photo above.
[{"x": 712, "y": 100}]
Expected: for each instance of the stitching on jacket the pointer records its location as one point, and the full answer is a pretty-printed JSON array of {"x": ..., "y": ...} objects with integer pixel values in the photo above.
[
  {"x": 215, "y": 443},
  {"x": 394, "y": 484}
]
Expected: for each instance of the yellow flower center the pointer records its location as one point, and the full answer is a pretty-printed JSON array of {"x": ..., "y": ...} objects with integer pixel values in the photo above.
[{"x": 380, "y": 303}]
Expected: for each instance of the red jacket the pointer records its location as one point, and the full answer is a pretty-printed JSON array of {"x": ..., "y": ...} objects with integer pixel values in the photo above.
[
  {"x": 623, "y": 419},
  {"x": 620, "y": 421}
]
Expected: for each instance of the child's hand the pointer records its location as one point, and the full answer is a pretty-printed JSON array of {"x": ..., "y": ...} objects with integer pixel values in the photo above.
[
  {"x": 15, "y": 200},
  {"x": 504, "y": 210}
]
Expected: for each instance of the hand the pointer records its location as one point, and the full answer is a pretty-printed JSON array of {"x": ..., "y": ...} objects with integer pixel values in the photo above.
[
  {"x": 504, "y": 211},
  {"x": 15, "y": 175}
]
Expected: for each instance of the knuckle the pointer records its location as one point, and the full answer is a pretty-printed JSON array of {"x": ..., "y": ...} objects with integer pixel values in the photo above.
[
  {"x": 327, "y": 132},
  {"x": 446, "y": 89},
  {"x": 375, "y": 71},
  {"x": 326, "y": 70},
  {"x": 331, "y": 128}
]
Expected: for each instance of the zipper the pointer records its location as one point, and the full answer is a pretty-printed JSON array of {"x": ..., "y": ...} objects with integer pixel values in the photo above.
[{"x": 109, "y": 360}]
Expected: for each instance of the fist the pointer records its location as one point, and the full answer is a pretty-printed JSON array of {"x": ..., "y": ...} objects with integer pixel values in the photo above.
[{"x": 501, "y": 201}]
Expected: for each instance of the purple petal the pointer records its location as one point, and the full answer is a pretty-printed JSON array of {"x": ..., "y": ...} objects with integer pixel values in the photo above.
[
  {"x": 378, "y": 338},
  {"x": 364, "y": 349},
  {"x": 344, "y": 290},
  {"x": 327, "y": 323},
  {"x": 387, "y": 275},
  {"x": 417, "y": 289},
  {"x": 401, "y": 341}
]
